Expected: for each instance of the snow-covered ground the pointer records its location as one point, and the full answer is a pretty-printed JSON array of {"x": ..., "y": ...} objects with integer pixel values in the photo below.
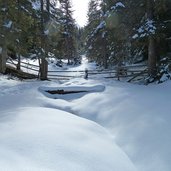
[{"x": 113, "y": 126}]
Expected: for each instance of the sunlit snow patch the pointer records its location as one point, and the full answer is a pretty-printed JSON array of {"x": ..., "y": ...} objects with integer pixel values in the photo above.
[
  {"x": 43, "y": 139},
  {"x": 70, "y": 92}
]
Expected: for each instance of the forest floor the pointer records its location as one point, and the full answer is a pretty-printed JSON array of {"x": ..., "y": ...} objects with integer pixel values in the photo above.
[{"x": 109, "y": 125}]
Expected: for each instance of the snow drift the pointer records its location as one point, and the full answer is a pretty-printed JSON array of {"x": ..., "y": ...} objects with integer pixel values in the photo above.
[{"x": 43, "y": 139}]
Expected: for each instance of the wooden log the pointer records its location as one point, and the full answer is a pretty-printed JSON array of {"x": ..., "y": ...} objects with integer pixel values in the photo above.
[
  {"x": 20, "y": 74},
  {"x": 64, "y": 92},
  {"x": 136, "y": 75}
]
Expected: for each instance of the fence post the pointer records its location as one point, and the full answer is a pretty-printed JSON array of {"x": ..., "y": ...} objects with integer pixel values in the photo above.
[
  {"x": 118, "y": 73},
  {"x": 86, "y": 74},
  {"x": 3, "y": 58},
  {"x": 43, "y": 69}
]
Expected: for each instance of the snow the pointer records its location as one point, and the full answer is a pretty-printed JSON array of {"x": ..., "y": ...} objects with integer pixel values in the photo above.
[
  {"x": 90, "y": 47},
  {"x": 46, "y": 32},
  {"x": 118, "y": 4},
  {"x": 135, "y": 36},
  {"x": 36, "y": 5},
  {"x": 100, "y": 26},
  {"x": 139, "y": 119},
  {"x": 117, "y": 126},
  {"x": 8, "y": 24},
  {"x": 150, "y": 26},
  {"x": 3, "y": 9},
  {"x": 50, "y": 139},
  {"x": 140, "y": 30},
  {"x": 17, "y": 40},
  {"x": 145, "y": 30},
  {"x": 103, "y": 34},
  {"x": 164, "y": 78},
  {"x": 37, "y": 136},
  {"x": 84, "y": 90}
]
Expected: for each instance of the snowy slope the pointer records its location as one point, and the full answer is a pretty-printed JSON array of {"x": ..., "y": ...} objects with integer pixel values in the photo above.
[
  {"x": 49, "y": 139},
  {"x": 36, "y": 136},
  {"x": 137, "y": 116},
  {"x": 137, "y": 119}
]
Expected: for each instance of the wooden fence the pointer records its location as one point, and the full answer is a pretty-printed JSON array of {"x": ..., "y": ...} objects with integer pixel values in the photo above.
[
  {"x": 26, "y": 67},
  {"x": 27, "y": 70},
  {"x": 128, "y": 73}
]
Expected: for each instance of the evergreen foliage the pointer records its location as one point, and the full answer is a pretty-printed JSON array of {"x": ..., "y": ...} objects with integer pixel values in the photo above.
[
  {"x": 126, "y": 32},
  {"x": 68, "y": 32},
  {"x": 117, "y": 33},
  {"x": 40, "y": 28}
]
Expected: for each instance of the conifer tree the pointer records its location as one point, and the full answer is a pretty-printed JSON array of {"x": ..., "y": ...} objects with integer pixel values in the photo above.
[
  {"x": 15, "y": 23},
  {"x": 129, "y": 31},
  {"x": 68, "y": 33},
  {"x": 93, "y": 22}
]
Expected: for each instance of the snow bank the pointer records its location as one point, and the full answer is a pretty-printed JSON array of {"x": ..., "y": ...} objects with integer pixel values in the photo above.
[
  {"x": 43, "y": 139},
  {"x": 81, "y": 89},
  {"x": 139, "y": 119}
]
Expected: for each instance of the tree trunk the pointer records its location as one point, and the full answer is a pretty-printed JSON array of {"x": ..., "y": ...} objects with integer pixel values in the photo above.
[
  {"x": 152, "y": 55},
  {"x": 3, "y": 58},
  {"x": 19, "y": 62},
  {"x": 43, "y": 64},
  {"x": 48, "y": 7},
  {"x": 105, "y": 57},
  {"x": 44, "y": 69},
  {"x": 18, "y": 46}
]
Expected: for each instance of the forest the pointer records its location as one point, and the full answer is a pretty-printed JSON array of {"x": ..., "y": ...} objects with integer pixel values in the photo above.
[
  {"x": 117, "y": 33},
  {"x": 85, "y": 98}
]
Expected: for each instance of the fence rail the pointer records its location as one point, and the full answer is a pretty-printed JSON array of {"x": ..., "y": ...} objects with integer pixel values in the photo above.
[
  {"x": 129, "y": 73},
  {"x": 25, "y": 67}
]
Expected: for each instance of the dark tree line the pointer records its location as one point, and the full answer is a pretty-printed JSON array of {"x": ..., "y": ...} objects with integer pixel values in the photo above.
[
  {"x": 126, "y": 32},
  {"x": 39, "y": 28},
  {"x": 117, "y": 33}
]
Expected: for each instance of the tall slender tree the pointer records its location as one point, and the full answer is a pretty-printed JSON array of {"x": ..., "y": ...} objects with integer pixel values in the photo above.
[
  {"x": 131, "y": 31},
  {"x": 152, "y": 56},
  {"x": 69, "y": 31}
]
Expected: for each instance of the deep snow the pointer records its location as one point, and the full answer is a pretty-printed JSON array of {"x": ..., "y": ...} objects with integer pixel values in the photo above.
[
  {"x": 49, "y": 139},
  {"x": 132, "y": 126},
  {"x": 35, "y": 135}
]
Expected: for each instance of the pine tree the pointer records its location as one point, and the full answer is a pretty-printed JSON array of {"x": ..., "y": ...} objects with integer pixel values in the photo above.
[
  {"x": 93, "y": 22},
  {"x": 129, "y": 31},
  {"x": 152, "y": 56},
  {"x": 15, "y": 23},
  {"x": 3, "y": 33},
  {"x": 68, "y": 33},
  {"x": 106, "y": 35}
]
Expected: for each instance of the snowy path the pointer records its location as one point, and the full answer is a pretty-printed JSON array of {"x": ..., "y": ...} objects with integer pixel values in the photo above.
[
  {"x": 84, "y": 65},
  {"x": 36, "y": 136},
  {"x": 137, "y": 117}
]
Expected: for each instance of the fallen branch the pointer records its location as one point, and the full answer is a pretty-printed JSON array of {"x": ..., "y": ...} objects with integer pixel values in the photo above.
[{"x": 64, "y": 92}]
